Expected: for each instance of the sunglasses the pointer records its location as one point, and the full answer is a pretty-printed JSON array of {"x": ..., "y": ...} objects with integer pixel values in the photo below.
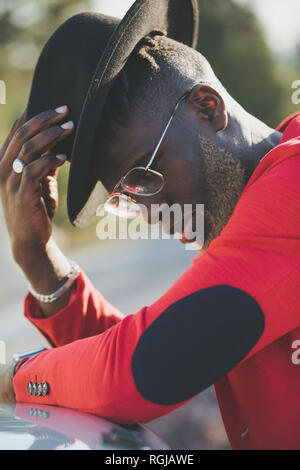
[{"x": 139, "y": 181}]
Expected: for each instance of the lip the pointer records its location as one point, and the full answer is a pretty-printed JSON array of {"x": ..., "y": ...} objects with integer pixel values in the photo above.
[
  {"x": 176, "y": 227},
  {"x": 189, "y": 221}
]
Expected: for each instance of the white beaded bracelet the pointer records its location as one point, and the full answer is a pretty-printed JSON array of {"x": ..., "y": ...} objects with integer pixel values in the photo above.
[{"x": 72, "y": 276}]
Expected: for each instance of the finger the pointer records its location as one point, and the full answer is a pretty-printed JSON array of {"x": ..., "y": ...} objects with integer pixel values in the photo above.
[
  {"x": 52, "y": 173},
  {"x": 49, "y": 185},
  {"x": 18, "y": 122},
  {"x": 44, "y": 141},
  {"x": 50, "y": 195},
  {"x": 34, "y": 173},
  {"x": 28, "y": 130},
  {"x": 33, "y": 149}
]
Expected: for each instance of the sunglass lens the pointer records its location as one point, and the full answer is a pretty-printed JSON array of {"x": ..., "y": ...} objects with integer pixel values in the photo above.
[
  {"x": 121, "y": 206},
  {"x": 143, "y": 182}
]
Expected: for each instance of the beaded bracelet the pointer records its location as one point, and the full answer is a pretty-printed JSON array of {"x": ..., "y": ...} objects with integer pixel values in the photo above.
[{"x": 72, "y": 276}]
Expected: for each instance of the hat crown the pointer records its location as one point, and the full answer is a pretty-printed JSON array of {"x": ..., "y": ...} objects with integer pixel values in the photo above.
[{"x": 66, "y": 67}]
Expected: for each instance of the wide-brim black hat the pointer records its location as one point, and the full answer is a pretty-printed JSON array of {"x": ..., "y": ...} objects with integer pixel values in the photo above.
[{"x": 78, "y": 66}]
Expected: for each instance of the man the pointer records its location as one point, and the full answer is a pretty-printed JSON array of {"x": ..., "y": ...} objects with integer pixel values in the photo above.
[{"x": 229, "y": 320}]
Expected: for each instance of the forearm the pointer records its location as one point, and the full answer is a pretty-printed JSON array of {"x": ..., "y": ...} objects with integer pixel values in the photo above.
[
  {"x": 30, "y": 199},
  {"x": 46, "y": 269}
]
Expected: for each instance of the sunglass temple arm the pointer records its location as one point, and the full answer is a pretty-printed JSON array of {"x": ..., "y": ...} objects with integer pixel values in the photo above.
[{"x": 165, "y": 131}]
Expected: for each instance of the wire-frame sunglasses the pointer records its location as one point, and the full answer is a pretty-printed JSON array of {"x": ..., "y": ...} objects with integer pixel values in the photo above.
[{"x": 139, "y": 181}]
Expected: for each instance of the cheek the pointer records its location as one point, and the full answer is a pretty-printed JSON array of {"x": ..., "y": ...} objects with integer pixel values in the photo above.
[{"x": 183, "y": 176}]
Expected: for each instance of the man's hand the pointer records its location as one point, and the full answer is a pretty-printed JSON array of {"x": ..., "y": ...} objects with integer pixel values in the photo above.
[
  {"x": 30, "y": 199},
  {"x": 7, "y": 394}
]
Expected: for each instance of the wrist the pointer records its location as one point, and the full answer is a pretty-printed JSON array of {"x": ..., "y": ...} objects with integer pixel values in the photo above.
[
  {"x": 45, "y": 267},
  {"x": 58, "y": 293},
  {"x": 27, "y": 256}
]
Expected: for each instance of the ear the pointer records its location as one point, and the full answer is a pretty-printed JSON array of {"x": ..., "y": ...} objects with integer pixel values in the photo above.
[{"x": 209, "y": 106}]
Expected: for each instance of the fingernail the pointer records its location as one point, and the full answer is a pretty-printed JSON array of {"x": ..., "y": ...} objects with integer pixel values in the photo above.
[
  {"x": 62, "y": 109},
  {"x": 68, "y": 125},
  {"x": 61, "y": 157}
]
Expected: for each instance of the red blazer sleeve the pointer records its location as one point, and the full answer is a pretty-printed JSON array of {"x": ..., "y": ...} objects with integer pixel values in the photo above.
[
  {"x": 86, "y": 314},
  {"x": 207, "y": 322}
]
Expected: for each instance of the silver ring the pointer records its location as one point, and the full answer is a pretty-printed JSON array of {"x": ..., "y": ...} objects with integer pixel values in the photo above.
[{"x": 18, "y": 166}]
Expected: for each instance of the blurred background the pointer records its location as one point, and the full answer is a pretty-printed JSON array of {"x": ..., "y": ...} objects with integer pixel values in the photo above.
[{"x": 254, "y": 48}]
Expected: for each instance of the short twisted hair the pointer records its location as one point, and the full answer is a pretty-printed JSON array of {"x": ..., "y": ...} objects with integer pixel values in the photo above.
[{"x": 159, "y": 67}]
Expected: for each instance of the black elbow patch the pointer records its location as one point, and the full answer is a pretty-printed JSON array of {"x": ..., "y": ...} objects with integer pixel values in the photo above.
[{"x": 195, "y": 342}]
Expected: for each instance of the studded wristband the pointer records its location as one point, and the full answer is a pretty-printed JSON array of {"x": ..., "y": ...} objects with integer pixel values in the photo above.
[
  {"x": 37, "y": 389},
  {"x": 19, "y": 360}
]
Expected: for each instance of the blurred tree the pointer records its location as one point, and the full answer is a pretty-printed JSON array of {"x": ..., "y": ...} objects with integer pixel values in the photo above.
[
  {"x": 297, "y": 54},
  {"x": 25, "y": 26},
  {"x": 232, "y": 39}
]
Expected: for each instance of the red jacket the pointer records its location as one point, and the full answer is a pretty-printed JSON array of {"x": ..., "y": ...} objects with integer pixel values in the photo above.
[{"x": 257, "y": 254}]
